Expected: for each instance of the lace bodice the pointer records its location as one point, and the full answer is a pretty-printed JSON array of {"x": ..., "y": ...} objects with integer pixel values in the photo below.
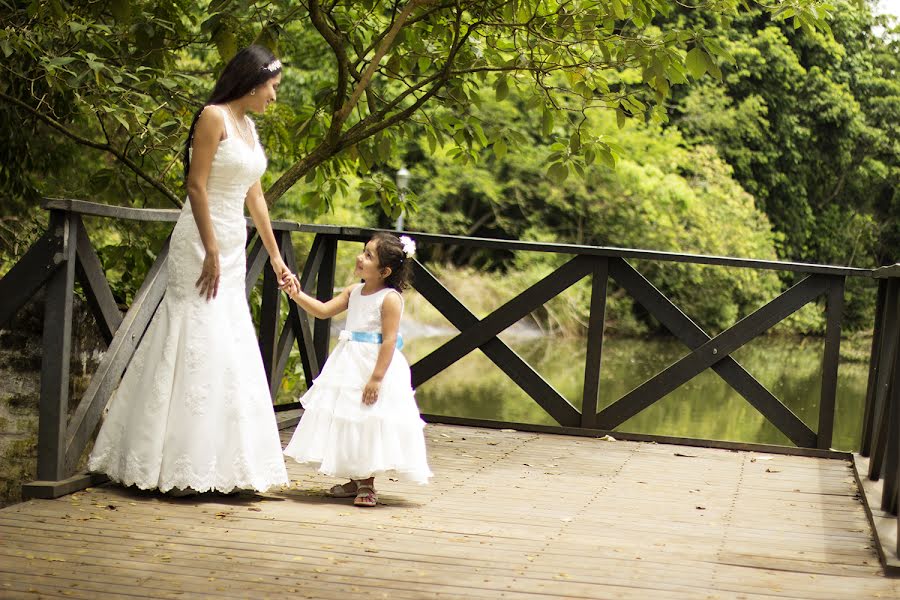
[
  {"x": 235, "y": 167},
  {"x": 364, "y": 312}
]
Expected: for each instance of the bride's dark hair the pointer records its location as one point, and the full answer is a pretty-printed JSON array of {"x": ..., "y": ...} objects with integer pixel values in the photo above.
[{"x": 251, "y": 67}]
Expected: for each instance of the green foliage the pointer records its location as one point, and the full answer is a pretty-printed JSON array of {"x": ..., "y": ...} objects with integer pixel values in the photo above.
[
  {"x": 124, "y": 77},
  {"x": 809, "y": 122},
  {"x": 660, "y": 196},
  {"x": 500, "y": 97}
]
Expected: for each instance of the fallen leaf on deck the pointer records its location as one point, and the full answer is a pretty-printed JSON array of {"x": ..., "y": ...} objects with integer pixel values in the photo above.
[
  {"x": 770, "y": 470},
  {"x": 686, "y": 455},
  {"x": 756, "y": 458}
]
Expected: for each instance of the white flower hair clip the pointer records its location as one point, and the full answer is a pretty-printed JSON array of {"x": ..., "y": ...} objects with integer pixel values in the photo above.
[
  {"x": 273, "y": 66},
  {"x": 409, "y": 246}
]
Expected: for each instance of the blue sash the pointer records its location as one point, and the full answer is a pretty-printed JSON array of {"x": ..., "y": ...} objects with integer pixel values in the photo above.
[{"x": 368, "y": 337}]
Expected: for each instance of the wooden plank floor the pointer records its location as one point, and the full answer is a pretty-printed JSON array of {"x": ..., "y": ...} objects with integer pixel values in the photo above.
[{"x": 508, "y": 515}]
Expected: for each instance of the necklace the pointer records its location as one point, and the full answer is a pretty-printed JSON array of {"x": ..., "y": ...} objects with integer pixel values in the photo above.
[{"x": 239, "y": 128}]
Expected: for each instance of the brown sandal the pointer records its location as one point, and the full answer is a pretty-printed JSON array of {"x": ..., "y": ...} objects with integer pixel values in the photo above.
[
  {"x": 366, "y": 496},
  {"x": 341, "y": 490}
]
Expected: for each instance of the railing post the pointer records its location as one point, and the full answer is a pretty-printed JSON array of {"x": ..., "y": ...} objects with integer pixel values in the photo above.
[
  {"x": 57, "y": 343},
  {"x": 594, "y": 355},
  {"x": 834, "y": 303},
  {"x": 887, "y": 353},
  {"x": 324, "y": 292},
  {"x": 269, "y": 313},
  {"x": 892, "y": 442},
  {"x": 865, "y": 443}
]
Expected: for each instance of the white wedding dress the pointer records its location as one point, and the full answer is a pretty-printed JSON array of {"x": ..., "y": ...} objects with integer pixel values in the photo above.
[{"x": 193, "y": 409}]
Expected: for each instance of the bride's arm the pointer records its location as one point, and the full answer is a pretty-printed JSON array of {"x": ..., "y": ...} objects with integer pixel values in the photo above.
[
  {"x": 259, "y": 212},
  {"x": 208, "y": 132}
]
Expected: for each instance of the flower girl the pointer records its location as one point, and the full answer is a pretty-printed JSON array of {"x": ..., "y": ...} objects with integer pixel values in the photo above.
[{"x": 360, "y": 416}]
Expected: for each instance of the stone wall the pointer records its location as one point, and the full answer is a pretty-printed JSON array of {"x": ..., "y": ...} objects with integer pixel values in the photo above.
[{"x": 20, "y": 380}]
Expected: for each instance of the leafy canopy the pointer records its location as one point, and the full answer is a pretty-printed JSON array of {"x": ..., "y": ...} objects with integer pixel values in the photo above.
[{"x": 124, "y": 77}]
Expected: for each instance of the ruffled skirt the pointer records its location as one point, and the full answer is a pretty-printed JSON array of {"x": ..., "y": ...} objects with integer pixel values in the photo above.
[{"x": 344, "y": 437}]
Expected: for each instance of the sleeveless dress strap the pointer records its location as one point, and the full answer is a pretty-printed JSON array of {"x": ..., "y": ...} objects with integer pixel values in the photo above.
[
  {"x": 385, "y": 295},
  {"x": 230, "y": 125}
]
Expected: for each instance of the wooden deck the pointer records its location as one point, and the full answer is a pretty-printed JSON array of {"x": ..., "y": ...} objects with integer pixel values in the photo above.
[{"x": 509, "y": 515}]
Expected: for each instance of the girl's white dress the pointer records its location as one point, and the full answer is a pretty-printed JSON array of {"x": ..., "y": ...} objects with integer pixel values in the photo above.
[
  {"x": 343, "y": 436},
  {"x": 193, "y": 409}
]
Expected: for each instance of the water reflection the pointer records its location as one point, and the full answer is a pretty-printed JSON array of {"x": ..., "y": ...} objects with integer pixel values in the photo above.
[{"x": 705, "y": 407}]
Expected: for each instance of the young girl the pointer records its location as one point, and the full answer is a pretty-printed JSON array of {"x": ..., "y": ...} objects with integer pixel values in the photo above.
[{"x": 360, "y": 417}]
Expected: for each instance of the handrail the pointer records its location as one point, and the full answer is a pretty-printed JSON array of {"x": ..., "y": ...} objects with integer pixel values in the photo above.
[
  {"x": 87, "y": 208},
  {"x": 614, "y": 251}
]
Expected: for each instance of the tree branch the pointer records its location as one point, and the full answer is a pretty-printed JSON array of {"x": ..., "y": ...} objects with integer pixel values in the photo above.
[
  {"x": 343, "y": 64},
  {"x": 160, "y": 187},
  {"x": 344, "y": 112}
]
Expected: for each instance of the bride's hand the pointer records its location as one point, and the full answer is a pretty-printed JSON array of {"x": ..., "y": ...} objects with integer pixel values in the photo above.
[
  {"x": 290, "y": 286},
  {"x": 208, "y": 282},
  {"x": 282, "y": 272}
]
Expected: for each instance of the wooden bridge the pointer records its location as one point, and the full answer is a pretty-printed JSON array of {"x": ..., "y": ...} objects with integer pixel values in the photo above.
[
  {"x": 508, "y": 515},
  {"x": 516, "y": 510}
]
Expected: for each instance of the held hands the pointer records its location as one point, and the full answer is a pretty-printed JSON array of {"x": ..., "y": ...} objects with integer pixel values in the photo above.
[
  {"x": 370, "y": 392},
  {"x": 208, "y": 282},
  {"x": 289, "y": 284},
  {"x": 287, "y": 281}
]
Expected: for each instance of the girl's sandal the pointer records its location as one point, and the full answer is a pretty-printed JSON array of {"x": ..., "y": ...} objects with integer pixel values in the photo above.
[
  {"x": 366, "y": 496},
  {"x": 340, "y": 491}
]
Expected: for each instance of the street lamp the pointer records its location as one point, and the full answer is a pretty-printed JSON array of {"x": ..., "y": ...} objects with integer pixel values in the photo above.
[{"x": 402, "y": 179}]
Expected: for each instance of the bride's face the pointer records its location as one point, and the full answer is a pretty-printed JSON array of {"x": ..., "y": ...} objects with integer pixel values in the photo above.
[{"x": 265, "y": 95}]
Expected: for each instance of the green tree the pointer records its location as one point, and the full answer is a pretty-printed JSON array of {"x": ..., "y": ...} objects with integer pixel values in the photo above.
[
  {"x": 122, "y": 77},
  {"x": 809, "y": 122},
  {"x": 660, "y": 195}
]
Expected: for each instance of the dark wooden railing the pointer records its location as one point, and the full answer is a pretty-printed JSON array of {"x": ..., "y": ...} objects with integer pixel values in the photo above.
[{"x": 65, "y": 253}]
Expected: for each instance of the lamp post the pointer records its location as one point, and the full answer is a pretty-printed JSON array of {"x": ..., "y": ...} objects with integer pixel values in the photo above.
[{"x": 402, "y": 179}]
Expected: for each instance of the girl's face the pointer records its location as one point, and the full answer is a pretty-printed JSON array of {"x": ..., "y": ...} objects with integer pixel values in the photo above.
[
  {"x": 367, "y": 266},
  {"x": 265, "y": 95}
]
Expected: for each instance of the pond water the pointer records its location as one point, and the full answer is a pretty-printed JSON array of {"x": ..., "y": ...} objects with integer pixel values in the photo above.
[{"x": 705, "y": 407}]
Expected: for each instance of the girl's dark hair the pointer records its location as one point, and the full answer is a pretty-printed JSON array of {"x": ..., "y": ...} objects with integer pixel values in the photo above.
[
  {"x": 244, "y": 72},
  {"x": 390, "y": 254}
]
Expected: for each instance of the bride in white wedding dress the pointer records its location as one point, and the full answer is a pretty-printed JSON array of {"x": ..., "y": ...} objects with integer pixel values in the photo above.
[{"x": 193, "y": 412}]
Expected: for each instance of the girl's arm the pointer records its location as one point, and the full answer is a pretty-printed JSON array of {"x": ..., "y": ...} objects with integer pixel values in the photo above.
[
  {"x": 390, "y": 326},
  {"x": 208, "y": 132},
  {"x": 259, "y": 212},
  {"x": 317, "y": 308}
]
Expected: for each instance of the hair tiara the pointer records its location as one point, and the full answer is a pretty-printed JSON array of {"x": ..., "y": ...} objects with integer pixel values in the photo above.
[{"x": 272, "y": 66}]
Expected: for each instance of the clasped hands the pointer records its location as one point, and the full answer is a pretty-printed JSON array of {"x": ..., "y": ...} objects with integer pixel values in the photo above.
[{"x": 289, "y": 283}]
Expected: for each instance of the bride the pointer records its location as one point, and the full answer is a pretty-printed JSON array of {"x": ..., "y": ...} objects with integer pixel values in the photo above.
[{"x": 193, "y": 412}]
